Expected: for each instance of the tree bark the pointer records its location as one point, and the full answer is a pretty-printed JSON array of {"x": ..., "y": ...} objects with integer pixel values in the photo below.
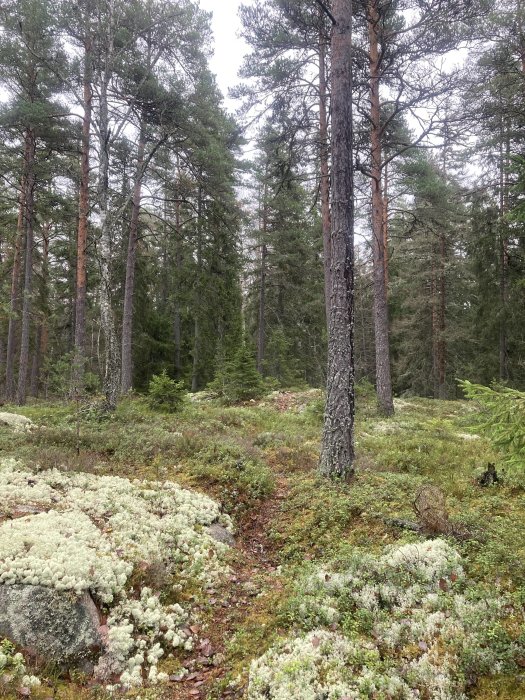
[
  {"x": 29, "y": 179},
  {"x": 504, "y": 149},
  {"x": 442, "y": 343},
  {"x": 521, "y": 35},
  {"x": 261, "y": 326},
  {"x": 14, "y": 304},
  {"x": 381, "y": 325},
  {"x": 337, "y": 453},
  {"x": 35, "y": 364},
  {"x": 40, "y": 348},
  {"x": 177, "y": 329},
  {"x": 83, "y": 215},
  {"x": 385, "y": 225},
  {"x": 434, "y": 322},
  {"x": 325, "y": 171},
  {"x": 197, "y": 301},
  {"x": 129, "y": 289},
  {"x": 107, "y": 320}
]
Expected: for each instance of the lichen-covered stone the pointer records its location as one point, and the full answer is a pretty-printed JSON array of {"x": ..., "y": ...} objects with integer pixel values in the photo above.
[
  {"x": 69, "y": 534},
  {"x": 220, "y": 534},
  {"x": 16, "y": 422},
  {"x": 49, "y": 624}
]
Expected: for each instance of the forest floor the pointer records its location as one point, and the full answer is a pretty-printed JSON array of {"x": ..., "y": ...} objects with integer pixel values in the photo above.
[{"x": 259, "y": 460}]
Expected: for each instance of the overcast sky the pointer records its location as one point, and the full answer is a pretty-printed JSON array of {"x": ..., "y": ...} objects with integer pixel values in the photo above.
[{"x": 229, "y": 49}]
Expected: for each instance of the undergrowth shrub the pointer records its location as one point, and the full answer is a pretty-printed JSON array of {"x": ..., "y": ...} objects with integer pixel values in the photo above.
[
  {"x": 241, "y": 478},
  {"x": 165, "y": 394}
]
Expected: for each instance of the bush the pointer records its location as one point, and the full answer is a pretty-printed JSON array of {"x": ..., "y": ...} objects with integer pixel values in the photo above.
[
  {"x": 240, "y": 478},
  {"x": 165, "y": 394}
]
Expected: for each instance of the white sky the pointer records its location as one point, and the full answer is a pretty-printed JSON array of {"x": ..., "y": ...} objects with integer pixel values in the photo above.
[{"x": 229, "y": 49}]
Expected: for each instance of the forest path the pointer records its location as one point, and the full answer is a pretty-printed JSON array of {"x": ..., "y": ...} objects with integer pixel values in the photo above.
[{"x": 253, "y": 570}]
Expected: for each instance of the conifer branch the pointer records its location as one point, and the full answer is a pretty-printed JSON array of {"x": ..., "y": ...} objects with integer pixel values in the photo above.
[{"x": 326, "y": 11}]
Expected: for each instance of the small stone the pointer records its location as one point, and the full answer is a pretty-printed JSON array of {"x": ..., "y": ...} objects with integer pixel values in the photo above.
[{"x": 221, "y": 534}]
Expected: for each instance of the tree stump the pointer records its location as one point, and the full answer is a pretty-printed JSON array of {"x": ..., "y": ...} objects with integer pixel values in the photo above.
[
  {"x": 490, "y": 476},
  {"x": 431, "y": 510}
]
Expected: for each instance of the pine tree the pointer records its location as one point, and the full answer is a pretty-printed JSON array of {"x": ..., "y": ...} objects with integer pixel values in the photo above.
[
  {"x": 31, "y": 60},
  {"x": 287, "y": 283}
]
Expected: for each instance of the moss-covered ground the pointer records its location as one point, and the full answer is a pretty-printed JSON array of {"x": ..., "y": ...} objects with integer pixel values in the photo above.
[{"x": 259, "y": 460}]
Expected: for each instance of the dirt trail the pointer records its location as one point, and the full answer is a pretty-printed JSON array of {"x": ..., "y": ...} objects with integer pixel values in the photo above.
[{"x": 255, "y": 560}]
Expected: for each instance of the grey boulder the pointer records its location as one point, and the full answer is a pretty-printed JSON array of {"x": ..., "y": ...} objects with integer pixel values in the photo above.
[
  {"x": 16, "y": 422},
  {"x": 50, "y": 625}
]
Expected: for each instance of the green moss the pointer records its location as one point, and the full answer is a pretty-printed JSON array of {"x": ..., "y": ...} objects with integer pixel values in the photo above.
[{"x": 237, "y": 476}]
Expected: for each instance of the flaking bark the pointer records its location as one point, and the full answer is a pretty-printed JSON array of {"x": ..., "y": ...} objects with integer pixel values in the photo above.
[
  {"x": 337, "y": 453},
  {"x": 381, "y": 323}
]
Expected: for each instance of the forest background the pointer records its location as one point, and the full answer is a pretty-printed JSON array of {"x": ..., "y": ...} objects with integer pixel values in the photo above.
[{"x": 139, "y": 233}]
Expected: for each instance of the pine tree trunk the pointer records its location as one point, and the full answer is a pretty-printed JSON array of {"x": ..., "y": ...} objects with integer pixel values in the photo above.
[
  {"x": 504, "y": 254},
  {"x": 35, "y": 365},
  {"x": 107, "y": 320},
  {"x": 197, "y": 301},
  {"x": 381, "y": 325},
  {"x": 261, "y": 326},
  {"x": 442, "y": 344},
  {"x": 83, "y": 222},
  {"x": 40, "y": 348},
  {"x": 434, "y": 324},
  {"x": 521, "y": 34},
  {"x": 2, "y": 346},
  {"x": 177, "y": 329},
  {"x": 29, "y": 179},
  {"x": 325, "y": 171},
  {"x": 2, "y": 366},
  {"x": 261, "y": 316},
  {"x": 129, "y": 289},
  {"x": 14, "y": 304},
  {"x": 385, "y": 225},
  {"x": 337, "y": 453}
]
